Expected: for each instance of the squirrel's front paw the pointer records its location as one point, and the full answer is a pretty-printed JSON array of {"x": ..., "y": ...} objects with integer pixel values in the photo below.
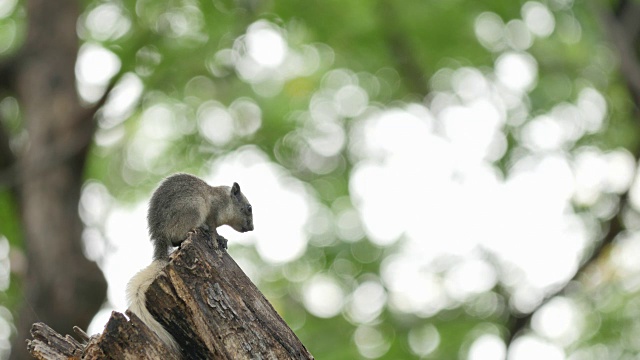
[
  {"x": 204, "y": 230},
  {"x": 222, "y": 242}
]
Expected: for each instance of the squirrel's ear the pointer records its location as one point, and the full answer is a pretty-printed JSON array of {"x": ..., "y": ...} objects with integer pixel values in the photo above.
[{"x": 235, "y": 189}]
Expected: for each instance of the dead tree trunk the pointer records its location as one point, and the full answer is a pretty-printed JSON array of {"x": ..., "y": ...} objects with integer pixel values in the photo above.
[{"x": 205, "y": 301}]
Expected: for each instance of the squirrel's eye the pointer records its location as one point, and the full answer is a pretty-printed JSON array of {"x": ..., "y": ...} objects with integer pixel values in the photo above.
[{"x": 249, "y": 209}]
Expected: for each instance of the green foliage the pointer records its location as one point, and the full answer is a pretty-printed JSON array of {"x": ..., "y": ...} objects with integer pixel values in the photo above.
[{"x": 185, "y": 55}]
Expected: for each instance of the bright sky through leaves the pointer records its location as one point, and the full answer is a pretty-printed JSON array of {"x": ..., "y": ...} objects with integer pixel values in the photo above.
[{"x": 446, "y": 223}]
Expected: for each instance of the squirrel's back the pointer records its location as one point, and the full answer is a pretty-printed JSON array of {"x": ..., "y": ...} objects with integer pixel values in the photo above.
[
  {"x": 184, "y": 202},
  {"x": 180, "y": 202}
]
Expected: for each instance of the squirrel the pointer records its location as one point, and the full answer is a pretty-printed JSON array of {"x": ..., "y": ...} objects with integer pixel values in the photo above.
[{"x": 182, "y": 203}]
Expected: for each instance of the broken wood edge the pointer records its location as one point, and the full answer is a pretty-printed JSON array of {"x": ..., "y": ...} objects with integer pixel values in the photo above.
[
  {"x": 127, "y": 338},
  {"x": 121, "y": 338},
  {"x": 48, "y": 344}
]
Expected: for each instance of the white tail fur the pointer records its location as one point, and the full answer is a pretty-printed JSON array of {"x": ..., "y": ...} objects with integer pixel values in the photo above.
[{"x": 136, "y": 297}]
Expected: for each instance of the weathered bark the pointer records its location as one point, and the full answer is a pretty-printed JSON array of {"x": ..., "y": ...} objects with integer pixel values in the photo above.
[
  {"x": 122, "y": 339},
  {"x": 48, "y": 344},
  {"x": 127, "y": 339},
  {"x": 210, "y": 307},
  {"x": 62, "y": 287}
]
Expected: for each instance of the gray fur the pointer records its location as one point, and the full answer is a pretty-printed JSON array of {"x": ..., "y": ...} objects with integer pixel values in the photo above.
[
  {"x": 185, "y": 202},
  {"x": 181, "y": 203}
]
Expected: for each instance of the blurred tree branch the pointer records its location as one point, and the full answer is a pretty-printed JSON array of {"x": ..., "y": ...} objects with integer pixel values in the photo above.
[
  {"x": 623, "y": 30},
  {"x": 615, "y": 227},
  {"x": 7, "y": 158},
  {"x": 10, "y": 172},
  {"x": 400, "y": 50},
  {"x": 7, "y": 83}
]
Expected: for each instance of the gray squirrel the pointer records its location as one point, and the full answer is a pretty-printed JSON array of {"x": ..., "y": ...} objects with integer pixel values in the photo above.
[{"x": 180, "y": 204}]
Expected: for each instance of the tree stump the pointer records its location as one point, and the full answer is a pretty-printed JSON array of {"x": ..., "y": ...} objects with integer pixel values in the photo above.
[{"x": 204, "y": 300}]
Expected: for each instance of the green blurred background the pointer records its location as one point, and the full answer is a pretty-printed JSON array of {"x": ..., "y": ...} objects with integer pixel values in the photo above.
[{"x": 431, "y": 179}]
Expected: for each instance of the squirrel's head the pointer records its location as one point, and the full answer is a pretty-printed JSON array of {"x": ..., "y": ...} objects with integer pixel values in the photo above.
[{"x": 242, "y": 220}]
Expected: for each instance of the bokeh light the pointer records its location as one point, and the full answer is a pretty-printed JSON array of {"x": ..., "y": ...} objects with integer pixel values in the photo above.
[{"x": 391, "y": 213}]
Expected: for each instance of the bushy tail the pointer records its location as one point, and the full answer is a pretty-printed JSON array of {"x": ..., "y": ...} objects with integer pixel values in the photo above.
[{"x": 137, "y": 297}]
